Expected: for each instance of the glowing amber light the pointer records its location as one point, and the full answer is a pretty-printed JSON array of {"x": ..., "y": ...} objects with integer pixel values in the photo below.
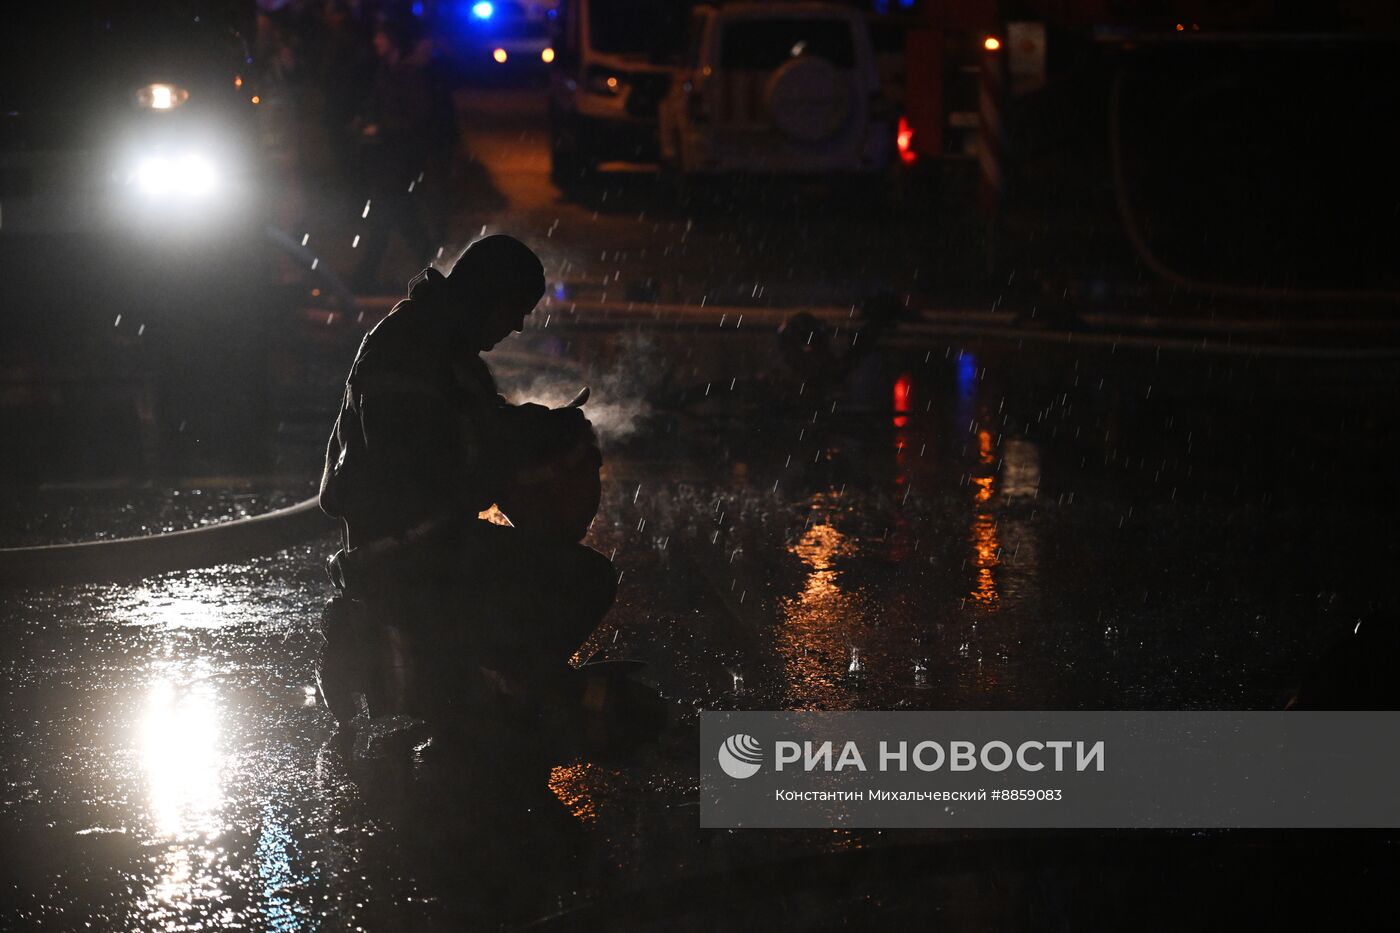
[
  {"x": 547, "y": 55},
  {"x": 237, "y": 80},
  {"x": 991, "y": 43},
  {"x": 612, "y": 83},
  {"x": 500, "y": 56},
  {"x": 257, "y": 99},
  {"x": 162, "y": 96},
  {"x": 984, "y": 447}
]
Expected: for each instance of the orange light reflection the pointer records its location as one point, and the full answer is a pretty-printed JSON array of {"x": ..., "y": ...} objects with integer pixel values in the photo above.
[
  {"x": 986, "y": 543},
  {"x": 570, "y": 785},
  {"x": 814, "y": 632}
]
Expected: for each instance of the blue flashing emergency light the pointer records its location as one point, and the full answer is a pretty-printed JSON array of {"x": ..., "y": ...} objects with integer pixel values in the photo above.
[{"x": 483, "y": 10}]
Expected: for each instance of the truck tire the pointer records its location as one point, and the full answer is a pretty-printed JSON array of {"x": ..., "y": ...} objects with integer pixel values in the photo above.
[{"x": 808, "y": 99}]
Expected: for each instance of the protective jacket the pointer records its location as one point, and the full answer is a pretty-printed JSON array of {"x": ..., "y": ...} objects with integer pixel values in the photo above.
[
  {"x": 422, "y": 435},
  {"x": 423, "y": 443}
]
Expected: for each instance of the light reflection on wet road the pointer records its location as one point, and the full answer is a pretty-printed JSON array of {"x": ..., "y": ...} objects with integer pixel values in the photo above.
[{"x": 966, "y": 543}]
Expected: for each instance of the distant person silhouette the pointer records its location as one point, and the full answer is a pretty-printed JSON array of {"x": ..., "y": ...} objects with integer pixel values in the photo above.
[{"x": 398, "y": 129}]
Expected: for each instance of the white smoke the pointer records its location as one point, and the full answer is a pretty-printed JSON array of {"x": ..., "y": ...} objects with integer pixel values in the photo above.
[{"x": 619, "y": 391}]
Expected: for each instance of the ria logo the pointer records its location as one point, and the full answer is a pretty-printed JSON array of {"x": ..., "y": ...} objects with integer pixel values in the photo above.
[{"x": 740, "y": 756}]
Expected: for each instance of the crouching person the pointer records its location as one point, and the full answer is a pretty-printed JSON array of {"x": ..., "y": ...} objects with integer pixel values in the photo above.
[{"x": 434, "y": 601}]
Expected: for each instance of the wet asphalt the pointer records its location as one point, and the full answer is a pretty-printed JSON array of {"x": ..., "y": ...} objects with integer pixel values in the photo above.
[
  {"x": 976, "y": 524},
  {"x": 1006, "y": 517}
]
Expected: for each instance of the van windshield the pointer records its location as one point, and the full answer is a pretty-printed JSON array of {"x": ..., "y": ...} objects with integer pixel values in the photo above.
[
  {"x": 653, "y": 28},
  {"x": 765, "y": 44}
]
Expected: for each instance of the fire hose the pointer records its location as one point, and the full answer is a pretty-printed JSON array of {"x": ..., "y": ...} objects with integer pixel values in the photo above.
[
  {"x": 133, "y": 558},
  {"x": 224, "y": 543}
]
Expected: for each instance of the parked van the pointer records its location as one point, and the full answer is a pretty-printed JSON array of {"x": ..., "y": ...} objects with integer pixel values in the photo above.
[
  {"x": 613, "y": 61},
  {"x": 788, "y": 88}
]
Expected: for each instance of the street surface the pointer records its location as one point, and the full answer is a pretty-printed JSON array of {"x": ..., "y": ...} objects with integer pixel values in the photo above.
[
  {"x": 624, "y": 239},
  {"x": 1014, "y": 517}
]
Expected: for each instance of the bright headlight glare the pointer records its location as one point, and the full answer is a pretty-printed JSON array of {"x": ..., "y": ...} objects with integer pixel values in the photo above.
[
  {"x": 190, "y": 176},
  {"x": 161, "y": 96},
  {"x": 195, "y": 176},
  {"x": 153, "y": 175}
]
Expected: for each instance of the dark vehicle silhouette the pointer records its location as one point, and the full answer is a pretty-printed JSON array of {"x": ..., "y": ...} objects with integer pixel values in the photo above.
[
  {"x": 613, "y": 62},
  {"x": 485, "y": 37},
  {"x": 131, "y": 222}
]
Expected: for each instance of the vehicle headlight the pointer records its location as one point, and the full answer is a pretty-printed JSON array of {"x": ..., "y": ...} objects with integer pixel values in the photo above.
[
  {"x": 189, "y": 176},
  {"x": 161, "y": 96}
]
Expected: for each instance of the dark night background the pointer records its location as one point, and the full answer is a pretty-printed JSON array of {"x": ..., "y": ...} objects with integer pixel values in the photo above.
[{"x": 1052, "y": 364}]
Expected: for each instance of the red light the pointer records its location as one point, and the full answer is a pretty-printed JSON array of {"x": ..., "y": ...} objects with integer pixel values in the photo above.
[
  {"x": 903, "y": 388},
  {"x": 904, "y": 142}
]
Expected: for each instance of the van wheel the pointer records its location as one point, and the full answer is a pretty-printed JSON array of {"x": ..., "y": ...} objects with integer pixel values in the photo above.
[{"x": 809, "y": 99}]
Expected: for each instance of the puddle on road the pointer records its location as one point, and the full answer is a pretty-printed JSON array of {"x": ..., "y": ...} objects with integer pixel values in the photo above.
[{"x": 977, "y": 543}]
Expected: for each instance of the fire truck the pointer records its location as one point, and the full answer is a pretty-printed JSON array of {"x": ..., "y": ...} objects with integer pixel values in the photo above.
[{"x": 1197, "y": 150}]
